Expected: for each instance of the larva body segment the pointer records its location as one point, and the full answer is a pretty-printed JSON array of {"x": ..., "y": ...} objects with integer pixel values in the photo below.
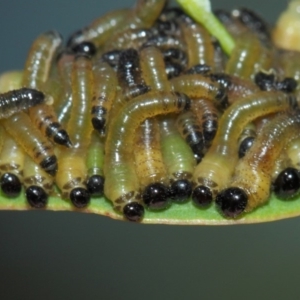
[
  {"x": 207, "y": 115},
  {"x": 146, "y": 12},
  {"x": 293, "y": 152},
  {"x": 248, "y": 57},
  {"x": 200, "y": 49},
  {"x": 128, "y": 38},
  {"x": 10, "y": 80},
  {"x": 199, "y": 86},
  {"x": 17, "y": 100},
  {"x": 63, "y": 103},
  {"x": 100, "y": 29},
  {"x": 129, "y": 74},
  {"x": 11, "y": 166},
  {"x": 20, "y": 127},
  {"x": 39, "y": 59},
  {"x": 104, "y": 94},
  {"x": 153, "y": 69},
  {"x": 79, "y": 126},
  {"x": 44, "y": 118},
  {"x": 190, "y": 129}
]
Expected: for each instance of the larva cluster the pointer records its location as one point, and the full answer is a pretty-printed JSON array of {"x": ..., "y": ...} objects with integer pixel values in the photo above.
[{"x": 144, "y": 107}]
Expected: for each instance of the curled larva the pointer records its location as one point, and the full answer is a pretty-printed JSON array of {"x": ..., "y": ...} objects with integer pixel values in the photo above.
[
  {"x": 250, "y": 185},
  {"x": 121, "y": 182}
]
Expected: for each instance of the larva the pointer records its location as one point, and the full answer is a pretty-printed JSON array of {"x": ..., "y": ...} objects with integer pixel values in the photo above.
[
  {"x": 250, "y": 186},
  {"x": 20, "y": 127},
  {"x": 37, "y": 183},
  {"x": 179, "y": 160},
  {"x": 94, "y": 163},
  {"x": 121, "y": 182},
  {"x": 36, "y": 73},
  {"x": 104, "y": 95}
]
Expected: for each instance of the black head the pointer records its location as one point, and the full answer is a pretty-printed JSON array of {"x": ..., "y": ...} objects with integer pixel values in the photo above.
[
  {"x": 85, "y": 47},
  {"x": 265, "y": 81},
  {"x": 232, "y": 201},
  {"x": 287, "y": 183},
  {"x": 202, "y": 196},
  {"x": 95, "y": 185},
  {"x": 287, "y": 85},
  {"x": 245, "y": 145},
  {"x": 181, "y": 190},
  {"x": 80, "y": 197},
  {"x": 10, "y": 184},
  {"x": 156, "y": 196},
  {"x": 133, "y": 211},
  {"x": 36, "y": 196}
]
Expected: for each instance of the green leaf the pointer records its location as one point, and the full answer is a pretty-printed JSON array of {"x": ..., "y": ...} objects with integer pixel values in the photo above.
[
  {"x": 180, "y": 214},
  {"x": 200, "y": 11}
]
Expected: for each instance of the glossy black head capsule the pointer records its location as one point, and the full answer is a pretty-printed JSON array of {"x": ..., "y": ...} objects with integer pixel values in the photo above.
[
  {"x": 133, "y": 211},
  {"x": 223, "y": 79},
  {"x": 181, "y": 190},
  {"x": 232, "y": 201},
  {"x": 80, "y": 197},
  {"x": 202, "y": 196},
  {"x": 85, "y": 47},
  {"x": 10, "y": 185},
  {"x": 173, "y": 69},
  {"x": 245, "y": 145},
  {"x": 287, "y": 183},
  {"x": 156, "y": 196},
  {"x": 36, "y": 196},
  {"x": 287, "y": 85},
  {"x": 95, "y": 185},
  {"x": 112, "y": 57},
  {"x": 265, "y": 81}
]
